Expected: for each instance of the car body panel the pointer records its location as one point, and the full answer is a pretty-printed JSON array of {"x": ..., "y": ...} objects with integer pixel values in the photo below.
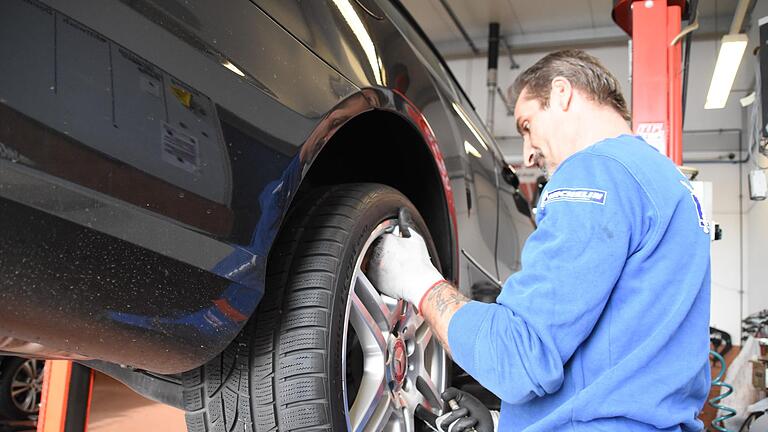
[{"x": 150, "y": 149}]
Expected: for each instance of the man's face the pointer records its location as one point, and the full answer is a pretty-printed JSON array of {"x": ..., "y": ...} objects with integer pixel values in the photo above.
[{"x": 535, "y": 124}]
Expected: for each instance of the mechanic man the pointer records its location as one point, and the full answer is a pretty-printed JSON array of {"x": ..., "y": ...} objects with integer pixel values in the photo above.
[{"x": 605, "y": 327}]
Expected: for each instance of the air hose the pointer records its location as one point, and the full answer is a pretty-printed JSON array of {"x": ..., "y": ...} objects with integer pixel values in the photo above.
[{"x": 717, "y": 423}]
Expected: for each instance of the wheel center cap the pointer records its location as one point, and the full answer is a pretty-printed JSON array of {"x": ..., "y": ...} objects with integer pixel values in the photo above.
[{"x": 399, "y": 361}]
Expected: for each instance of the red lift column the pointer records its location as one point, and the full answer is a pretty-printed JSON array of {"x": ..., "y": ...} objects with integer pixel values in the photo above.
[
  {"x": 66, "y": 397},
  {"x": 656, "y": 71}
]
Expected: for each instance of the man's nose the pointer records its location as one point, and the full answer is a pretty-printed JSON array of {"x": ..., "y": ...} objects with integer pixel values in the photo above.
[{"x": 529, "y": 155}]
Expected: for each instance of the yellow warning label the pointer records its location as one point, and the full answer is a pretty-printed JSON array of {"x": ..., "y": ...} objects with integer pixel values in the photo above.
[{"x": 182, "y": 95}]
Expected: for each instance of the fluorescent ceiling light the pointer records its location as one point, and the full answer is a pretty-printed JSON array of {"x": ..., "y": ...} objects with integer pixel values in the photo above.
[{"x": 728, "y": 60}]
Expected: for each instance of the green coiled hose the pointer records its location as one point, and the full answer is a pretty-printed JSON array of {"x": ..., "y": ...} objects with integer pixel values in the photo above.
[{"x": 717, "y": 423}]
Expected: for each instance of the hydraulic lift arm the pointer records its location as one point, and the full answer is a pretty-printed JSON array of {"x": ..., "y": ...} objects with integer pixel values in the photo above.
[{"x": 656, "y": 71}]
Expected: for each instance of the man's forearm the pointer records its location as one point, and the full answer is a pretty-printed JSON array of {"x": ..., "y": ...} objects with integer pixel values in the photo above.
[{"x": 438, "y": 308}]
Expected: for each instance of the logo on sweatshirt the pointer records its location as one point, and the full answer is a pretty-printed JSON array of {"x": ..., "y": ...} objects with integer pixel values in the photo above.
[
  {"x": 703, "y": 222},
  {"x": 594, "y": 196}
]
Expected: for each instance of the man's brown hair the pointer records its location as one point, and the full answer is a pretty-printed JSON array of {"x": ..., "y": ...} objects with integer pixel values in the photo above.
[{"x": 582, "y": 70}]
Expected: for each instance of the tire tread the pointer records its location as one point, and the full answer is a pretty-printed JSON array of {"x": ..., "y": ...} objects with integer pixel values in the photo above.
[{"x": 284, "y": 342}]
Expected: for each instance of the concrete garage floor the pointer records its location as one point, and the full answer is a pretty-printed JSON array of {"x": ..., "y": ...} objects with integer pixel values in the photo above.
[{"x": 116, "y": 408}]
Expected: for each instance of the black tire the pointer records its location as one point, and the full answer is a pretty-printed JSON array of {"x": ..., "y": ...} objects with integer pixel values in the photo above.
[
  {"x": 283, "y": 372},
  {"x": 17, "y": 369}
]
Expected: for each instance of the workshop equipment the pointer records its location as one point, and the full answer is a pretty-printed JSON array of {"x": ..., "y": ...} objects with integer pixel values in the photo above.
[
  {"x": 717, "y": 423},
  {"x": 426, "y": 416},
  {"x": 430, "y": 418},
  {"x": 656, "y": 70},
  {"x": 454, "y": 406},
  {"x": 66, "y": 397}
]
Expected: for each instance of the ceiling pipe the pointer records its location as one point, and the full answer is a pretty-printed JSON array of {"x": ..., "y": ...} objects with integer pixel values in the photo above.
[
  {"x": 738, "y": 16},
  {"x": 493, "y": 66},
  {"x": 693, "y": 24},
  {"x": 512, "y": 63},
  {"x": 458, "y": 24}
]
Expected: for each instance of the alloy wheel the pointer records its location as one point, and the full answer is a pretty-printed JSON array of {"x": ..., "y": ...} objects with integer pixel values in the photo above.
[
  {"x": 26, "y": 386},
  {"x": 392, "y": 363}
]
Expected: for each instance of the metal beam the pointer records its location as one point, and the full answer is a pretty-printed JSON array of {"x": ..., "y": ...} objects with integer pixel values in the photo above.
[
  {"x": 579, "y": 38},
  {"x": 512, "y": 63},
  {"x": 738, "y": 16},
  {"x": 458, "y": 24}
]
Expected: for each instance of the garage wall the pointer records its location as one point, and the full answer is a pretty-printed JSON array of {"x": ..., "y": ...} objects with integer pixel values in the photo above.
[
  {"x": 757, "y": 219},
  {"x": 471, "y": 74},
  {"x": 708, "y": 134},
  {"x": 729, "y": 255},
  {"x": 756, "y": 212}
]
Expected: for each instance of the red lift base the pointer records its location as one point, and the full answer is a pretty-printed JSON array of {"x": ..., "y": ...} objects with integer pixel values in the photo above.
[{"x": 66, "y": 398}]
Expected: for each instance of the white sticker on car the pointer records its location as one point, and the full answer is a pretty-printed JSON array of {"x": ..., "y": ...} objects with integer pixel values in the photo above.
[{"x": 179, "y": 149}]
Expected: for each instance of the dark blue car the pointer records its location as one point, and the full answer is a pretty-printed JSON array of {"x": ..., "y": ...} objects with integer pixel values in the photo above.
[{"x": 189, "y": 191}]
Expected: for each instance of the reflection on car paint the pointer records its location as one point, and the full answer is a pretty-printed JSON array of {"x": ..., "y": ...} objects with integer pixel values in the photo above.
[{"x": 149, "y": 151}]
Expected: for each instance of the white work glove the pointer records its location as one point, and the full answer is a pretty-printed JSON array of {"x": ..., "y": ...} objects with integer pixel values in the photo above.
[{"x": 400, "y": 267}]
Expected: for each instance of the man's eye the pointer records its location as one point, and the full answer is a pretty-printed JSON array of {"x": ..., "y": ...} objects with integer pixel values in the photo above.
[{"x": 525, "y": 127}]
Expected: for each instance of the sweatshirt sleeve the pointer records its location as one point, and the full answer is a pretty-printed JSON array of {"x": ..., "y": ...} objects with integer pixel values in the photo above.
[{"x": 517, "y": 346}]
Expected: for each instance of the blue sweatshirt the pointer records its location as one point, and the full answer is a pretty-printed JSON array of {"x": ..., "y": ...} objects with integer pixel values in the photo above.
[{"x": 606, "y": 327}]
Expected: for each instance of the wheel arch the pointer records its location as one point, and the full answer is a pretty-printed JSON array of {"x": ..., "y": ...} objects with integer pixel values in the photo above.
[{"x": 384, "y": 146}]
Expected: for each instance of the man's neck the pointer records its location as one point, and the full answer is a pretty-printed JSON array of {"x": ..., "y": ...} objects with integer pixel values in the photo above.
[{"x": 597, "y": 125}]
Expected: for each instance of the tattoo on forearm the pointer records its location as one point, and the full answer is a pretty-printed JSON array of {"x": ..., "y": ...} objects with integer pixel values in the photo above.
[
  {"x": 445, "y": 297},
  {"x": 441, "y": 303}
]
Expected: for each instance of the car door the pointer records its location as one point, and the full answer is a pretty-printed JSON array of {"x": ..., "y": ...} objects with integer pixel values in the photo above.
[{"x": 144, "y": 134}]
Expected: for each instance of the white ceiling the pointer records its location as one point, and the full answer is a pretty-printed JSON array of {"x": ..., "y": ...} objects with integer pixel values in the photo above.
[{"x": 531, "y": 17}]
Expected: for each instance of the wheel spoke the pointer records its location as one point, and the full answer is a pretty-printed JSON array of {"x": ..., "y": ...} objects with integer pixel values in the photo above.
[
  {"x": 40, "y": 373},
  {"x": 384, "y": 400},
  {"x": 381, "y": 415},
  {"x": 26, "y": 369},
  {"x": 426, "y": 387},
  {"x": 412, "y": 322},
  {"x": 34, "y": 369},
  {"x": 29, "y": 401},
  {"x": 423, "y": 335},
  {"x": 368, "y": 331},
  {"x": 19, "y": 390},
  {"x": 408, "y": 420},
  {"x": 372, "y": 407},
  {"x": 381, "y": 313}
]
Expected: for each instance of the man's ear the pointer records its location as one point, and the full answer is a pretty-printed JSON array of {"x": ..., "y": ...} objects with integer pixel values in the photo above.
[{"x": 562, "y": 93}]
